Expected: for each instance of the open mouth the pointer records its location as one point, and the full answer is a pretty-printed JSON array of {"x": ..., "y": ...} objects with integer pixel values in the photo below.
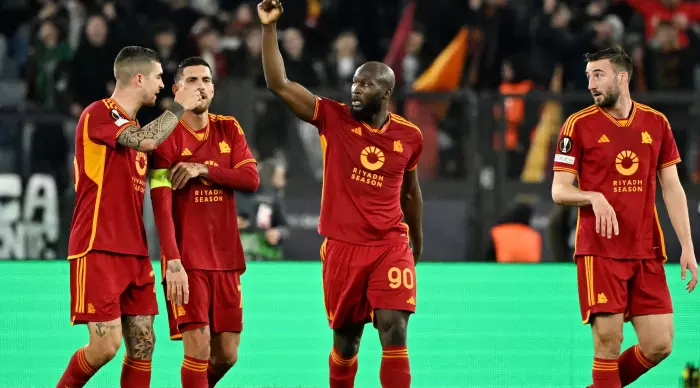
[{"x": 356, "y": 104}]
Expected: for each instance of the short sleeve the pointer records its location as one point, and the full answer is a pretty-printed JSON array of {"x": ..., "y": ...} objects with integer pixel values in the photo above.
[
  {"x": 164, "y": 155},
  {"x": 324, "y": 112},
  {"x": 569, "y": 150},
  {"x": 415, "y": 156},
  {"x": 668, "y": 155},
  {"x": 241, "y": 154},
  {"x": 105, "y": 125}
]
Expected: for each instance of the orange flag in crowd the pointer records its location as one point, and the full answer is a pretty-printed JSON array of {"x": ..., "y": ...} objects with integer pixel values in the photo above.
[{"x": 443, "y": 75}]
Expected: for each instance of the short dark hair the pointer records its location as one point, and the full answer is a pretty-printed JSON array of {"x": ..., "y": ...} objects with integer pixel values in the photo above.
[
  {"x": 617, "y": 57},
  {"x": 191, "y": 61},
  {"x": 132, "y": 60}
]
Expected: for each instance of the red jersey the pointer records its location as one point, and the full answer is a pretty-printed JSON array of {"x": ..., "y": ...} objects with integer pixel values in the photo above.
[
  {"x": 620, "y": 159},
  {"x": 363, "y": 170},
  {"x": 203, "y": 212},
  {"x": 110, "y": 182}
]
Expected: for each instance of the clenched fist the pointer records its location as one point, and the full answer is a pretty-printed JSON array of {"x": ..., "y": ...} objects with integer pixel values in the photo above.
[{"x": 269, "y": 11}]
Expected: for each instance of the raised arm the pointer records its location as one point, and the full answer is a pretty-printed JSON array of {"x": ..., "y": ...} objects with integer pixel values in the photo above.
[
  {"x": 412, "y": 207},
  {"x": 298, "y": 98}
]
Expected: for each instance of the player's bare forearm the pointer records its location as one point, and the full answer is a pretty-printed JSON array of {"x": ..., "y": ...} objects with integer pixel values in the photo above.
[
  {"x": 244, "y": 178},
  {"x": 412, "y": 207},
  {"x": 676, "y": 205},
  {"x": 298, "y": 98},
  {"x": 565, "y": 193},
  {"x": 151, "y": 135}
]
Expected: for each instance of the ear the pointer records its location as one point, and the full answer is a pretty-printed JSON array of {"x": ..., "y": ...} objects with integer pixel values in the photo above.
[
  {"x": 213, "y": 90},
  {"x": 388, "y": 93},
  {"x": 174, "y": 88},
  {"x": 138, "y": 78}
]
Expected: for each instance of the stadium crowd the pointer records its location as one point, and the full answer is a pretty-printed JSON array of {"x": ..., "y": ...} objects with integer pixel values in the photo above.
[{"x": 60, "y": 53}]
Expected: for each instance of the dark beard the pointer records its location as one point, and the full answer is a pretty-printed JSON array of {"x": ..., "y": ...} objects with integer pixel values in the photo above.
[
  {"x": 200, "y": 109},
  {"x": 370, "y": 109},
  {"x": 610, "y": 100}
]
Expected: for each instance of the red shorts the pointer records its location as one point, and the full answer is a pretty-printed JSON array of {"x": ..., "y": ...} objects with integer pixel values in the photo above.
[
  {"x": 358, "y": 279},
  {"x": 632, "y": 287},
  {"x": 104, "y": 286},
  {"x": 215, "y": 301}
]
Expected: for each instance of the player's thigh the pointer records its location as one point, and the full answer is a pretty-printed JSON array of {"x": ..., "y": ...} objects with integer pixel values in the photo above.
[
  {"x": 226, "y": 312},
  {"x": 195, "y": 314},
  {"x": 139, "y": 297},
  {"x": 392, "y": 283},
  {"x": 105, "y": 340},
  {"x": 224, "y": 348},
  {"x": 346, "y": 270},
  {"x": 648, "y": 290},
  {"x": 97, "y": 281},
  {"x": 602, "y": 286}
]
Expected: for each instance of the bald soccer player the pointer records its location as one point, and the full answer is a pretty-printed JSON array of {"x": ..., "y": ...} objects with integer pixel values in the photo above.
[{"x": 370, "y": 187}]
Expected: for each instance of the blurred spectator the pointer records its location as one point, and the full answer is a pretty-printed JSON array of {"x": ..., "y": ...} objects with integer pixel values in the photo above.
[
  {"x": 245, "y": 62},
  {"x": 656, "y": 11},
  {"x": 343, "y": 61},
  {"x": 669, "y": 64},
  {"x": 262, "y": 217},
  {"x": 209, "y": 48},
  {"x": 165, "y": 44},
  {"x": 92, "y": 75},
  {"x": 298, "y": 65},
  {"x": 49, "y": 65},
  {"x": 414, "y": 62},
  {"x": 513, "y": 240}
]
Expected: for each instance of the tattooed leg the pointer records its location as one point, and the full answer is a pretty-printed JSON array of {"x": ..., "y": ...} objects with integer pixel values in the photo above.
[
  {"x": 105, "y": 339},
  {"x": 139, "y": 336}
]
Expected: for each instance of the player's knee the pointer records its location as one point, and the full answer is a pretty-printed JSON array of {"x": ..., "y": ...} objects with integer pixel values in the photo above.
[
  {"x": 392, "y": 329},
  {"x": 226, "y": 359},
  {"x": 197, "y": 344},
  {"x": 104, "y": 349},
  {"x": 658, "y": 351},
  {"x": 608, "y": 343}
]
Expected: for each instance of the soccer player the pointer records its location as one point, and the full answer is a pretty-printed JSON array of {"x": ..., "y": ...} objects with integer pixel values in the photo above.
[
  {"x": 615, "y": 149},
  {"x": 370, "y": 184},
  {"x": 195, "y": 172},
  {"x": 111, "y": 277}
]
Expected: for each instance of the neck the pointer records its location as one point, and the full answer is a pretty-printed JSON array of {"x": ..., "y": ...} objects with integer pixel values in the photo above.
[
  {"x": 379, "y": 119},
  {"x": 622, "y": 108},
  {"x": 196, "y": 121},
  {"x": 126, "y": 101}
]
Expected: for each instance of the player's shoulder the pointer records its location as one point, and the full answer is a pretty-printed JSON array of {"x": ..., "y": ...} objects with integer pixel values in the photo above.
[
  {"x": 104, "y": 111},
  {"x": 407, "y": 126},
  {"x": 580, "y": 119},
  {"x": 649, "y": 114},
  {"x": 327, "y": 104},
  {"x": 225, "y": 123}
]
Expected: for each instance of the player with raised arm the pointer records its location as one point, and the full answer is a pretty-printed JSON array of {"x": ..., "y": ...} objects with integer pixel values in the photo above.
[
  {"x": 370, "y": 185},
  {"x": 615, "y": 149},
  {"x": 195, "y": 172},
  {"x": 111, "y": 277}
]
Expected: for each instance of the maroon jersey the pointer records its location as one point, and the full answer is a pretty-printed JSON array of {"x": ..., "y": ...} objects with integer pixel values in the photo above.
[
  {"x": 110, "y": 182},
  {"x": 363, "y": 170},
  {"x": 620, "y": 159},
  {"x": 204, "y": 212}
]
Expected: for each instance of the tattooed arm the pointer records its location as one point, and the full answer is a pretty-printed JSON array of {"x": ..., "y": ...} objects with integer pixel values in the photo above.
[{"x": 150, "y": 136}]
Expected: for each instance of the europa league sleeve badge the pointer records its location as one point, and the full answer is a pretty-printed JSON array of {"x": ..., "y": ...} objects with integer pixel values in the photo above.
[{"x": 565, "y": 145}]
